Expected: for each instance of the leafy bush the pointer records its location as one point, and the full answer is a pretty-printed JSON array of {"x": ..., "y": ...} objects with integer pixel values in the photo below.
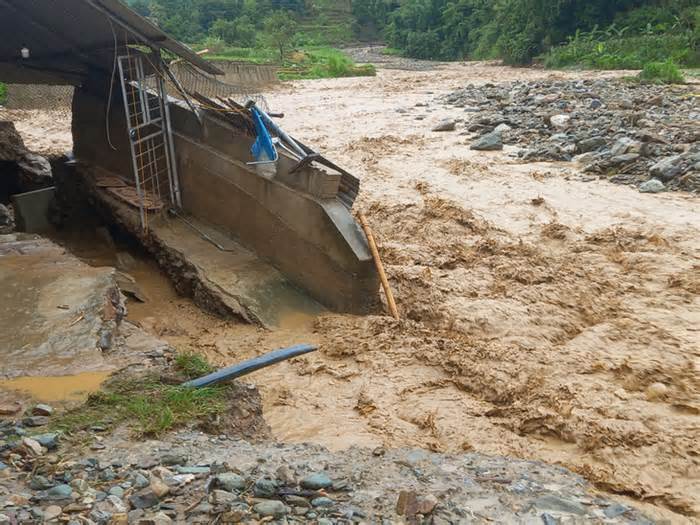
[
  {"x": 597, "y": 50},
  {"x": 662, "y": 73}
]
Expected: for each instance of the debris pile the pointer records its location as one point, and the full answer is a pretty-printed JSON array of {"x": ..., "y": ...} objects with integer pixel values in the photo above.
[{"x": 627, "y": 132}]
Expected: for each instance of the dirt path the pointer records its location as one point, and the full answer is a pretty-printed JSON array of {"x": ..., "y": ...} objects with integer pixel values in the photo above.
[{"x": 545, "y": 317}]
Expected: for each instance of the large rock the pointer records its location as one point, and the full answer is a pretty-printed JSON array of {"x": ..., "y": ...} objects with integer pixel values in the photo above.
[
  {"x": 667, "y": 168},
  {"x": 490, "y": 142},
  {"x": 35, "y": 172},
  {"x": 12, "y": 147},
  {"x": 652, "y": 186}
]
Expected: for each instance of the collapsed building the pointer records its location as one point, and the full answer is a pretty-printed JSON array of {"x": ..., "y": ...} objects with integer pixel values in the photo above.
[{"x": 244, "y": 234}]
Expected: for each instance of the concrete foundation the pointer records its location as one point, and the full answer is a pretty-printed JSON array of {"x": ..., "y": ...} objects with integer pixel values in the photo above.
[
  {"x": 32, "y": 210},
  {"x": 294, "y": 222}
]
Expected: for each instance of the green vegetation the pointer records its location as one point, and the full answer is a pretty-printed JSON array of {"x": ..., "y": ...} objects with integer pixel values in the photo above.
[
  {"x": 662, "y": 73},
  {"x": 322, "y": 62},
  {"x": 3, "y": 93},
  {"x": 294, "y": 34},
  {"x": 587, "y": 50},
  {"x": 147, "y": 404},
  {"x": 564, "y": 33},
  {"x": 518, "y": 31}
]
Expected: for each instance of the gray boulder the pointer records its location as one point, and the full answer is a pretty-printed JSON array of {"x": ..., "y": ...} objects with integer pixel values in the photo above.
[
  {"x": 446, "y": 125},
  {"x": 35, "y": 171},
  {"x": 12, "y": 147},
  {"x": 490, "y": 142},
  {"x": 652, "y": 186},
  {"x": 667, "y": 168}
]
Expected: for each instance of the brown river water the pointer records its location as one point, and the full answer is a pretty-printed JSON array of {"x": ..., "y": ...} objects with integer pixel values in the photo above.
[{"x": 540, "y": 312}]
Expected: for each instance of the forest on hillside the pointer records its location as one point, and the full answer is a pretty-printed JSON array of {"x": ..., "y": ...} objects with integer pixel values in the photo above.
[{"x": 596, "y": 33}]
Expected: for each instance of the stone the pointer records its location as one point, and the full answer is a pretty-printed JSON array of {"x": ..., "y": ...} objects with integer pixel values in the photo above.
[
  {"x": 652, "y": 186},
  {"x": 119, "y": 519},
  {"x": 49, "y": 440},
  {"x": 35, "y": 171},
  {"x": 158, "y": 487},
  {"x": 595, "y": 104},
  {"x": 656, "y": 391},
  {"x": 40, "y": 483},
  {"x": 627, "y": 158},
  {"x": 554, "y": 503},
  {"x": 501, "y": 128},
  {"x": 271, "y": 508},
  {"x": 143, "y": 499},
  {"x": 159, "y": 519},
  {"x": 12, "y": 147},
  {"x": 316, "y": 481},
  {"x": 80, "y": 485},
  {"x": 222, "y": 497},
  {"x": 322, "y": 502},
  {"x": 265, "y": 488},
  {"x": 52, "y": 512},
  {"x": 489, "y": 142},
  {"x": 116, "y": 491},
  {"x": 231, "y": 482},
  {"x": 139, "y": 481},
  {"x": 625, "y": 145},
  {"x": 171, "y": 460},
  {"x": 9, "y": 409},
  {"x": 35, "y": 421},
  {"x": 666, "y": 169},
  {"x": 560, "y": 121},
  {"x": 59, "y": 492},
  {"x": 42, "y": 410},
  {"x": 445, "y": 125},
  {"x": 6, "y": 219},
  {"x": 590, "y": 144},
  {"x": 32, "y": 446},
  {"x": 410, "y": 503},
  {"x": 193, "y": 470}
]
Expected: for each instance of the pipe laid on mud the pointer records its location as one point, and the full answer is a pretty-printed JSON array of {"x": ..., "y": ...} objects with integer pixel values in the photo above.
[{"x": 251, "y": 365}]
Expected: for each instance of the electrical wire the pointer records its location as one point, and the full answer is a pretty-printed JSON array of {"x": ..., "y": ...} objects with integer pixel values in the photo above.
[{"x": 111, "y": 87}]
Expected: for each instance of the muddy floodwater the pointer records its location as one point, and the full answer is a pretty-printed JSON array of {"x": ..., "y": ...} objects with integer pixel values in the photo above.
[{"x": 541, "y": 311}]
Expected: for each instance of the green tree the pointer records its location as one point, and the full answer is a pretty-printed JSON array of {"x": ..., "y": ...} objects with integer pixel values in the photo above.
[{"x": 280, "y": 29}]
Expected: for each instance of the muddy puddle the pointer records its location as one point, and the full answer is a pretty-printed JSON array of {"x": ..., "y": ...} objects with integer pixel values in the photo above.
[{"x": 52, "y": 389}]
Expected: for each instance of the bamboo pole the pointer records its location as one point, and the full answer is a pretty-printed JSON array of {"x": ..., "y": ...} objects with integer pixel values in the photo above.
[{"x": 380, "y": 267}]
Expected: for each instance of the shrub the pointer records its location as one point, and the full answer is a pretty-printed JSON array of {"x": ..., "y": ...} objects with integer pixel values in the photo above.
[
  {"x": 596, "y": 50},
  {"x": 662, "y": 72}
]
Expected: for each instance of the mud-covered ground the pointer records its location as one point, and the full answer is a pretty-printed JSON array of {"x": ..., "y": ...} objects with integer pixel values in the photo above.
[{"x": 547, "y": 315}]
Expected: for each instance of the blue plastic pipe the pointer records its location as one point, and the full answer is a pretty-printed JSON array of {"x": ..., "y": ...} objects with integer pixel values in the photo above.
[{"x": 251, "y": 365}]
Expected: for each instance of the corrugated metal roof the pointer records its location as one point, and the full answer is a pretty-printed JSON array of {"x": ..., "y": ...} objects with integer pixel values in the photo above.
[{"x": 65, "y": 37}]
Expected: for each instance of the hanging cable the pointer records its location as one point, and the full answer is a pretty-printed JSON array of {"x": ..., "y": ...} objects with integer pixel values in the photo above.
[{"x": 111, "y": 87}]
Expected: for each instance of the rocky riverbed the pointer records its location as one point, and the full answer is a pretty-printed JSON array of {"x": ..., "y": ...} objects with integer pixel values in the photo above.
[
  {"x": 192, "y": 477},
  {"x": 622, "y": 131}
]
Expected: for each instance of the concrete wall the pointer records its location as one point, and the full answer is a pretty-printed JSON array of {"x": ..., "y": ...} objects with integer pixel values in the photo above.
[{"x": 294, "y": 221}]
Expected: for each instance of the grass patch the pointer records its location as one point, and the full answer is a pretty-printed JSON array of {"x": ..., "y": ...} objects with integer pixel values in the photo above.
[
  {"x": 662, "y": 73},
  {"x": 3, "y": 93},
  {"x": 323, "y": 62},
  {"x": 193, "y": 365},
  {"x": 149, "y": 405},
  {"x": 392, "y": 52}
]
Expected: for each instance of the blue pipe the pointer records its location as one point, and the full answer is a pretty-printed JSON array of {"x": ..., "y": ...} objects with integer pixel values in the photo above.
[{"x": 251, "y": 365}]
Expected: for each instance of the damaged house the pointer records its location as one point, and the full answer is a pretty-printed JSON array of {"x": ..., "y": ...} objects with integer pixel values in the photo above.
[{"x": 246, "y": 234}]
